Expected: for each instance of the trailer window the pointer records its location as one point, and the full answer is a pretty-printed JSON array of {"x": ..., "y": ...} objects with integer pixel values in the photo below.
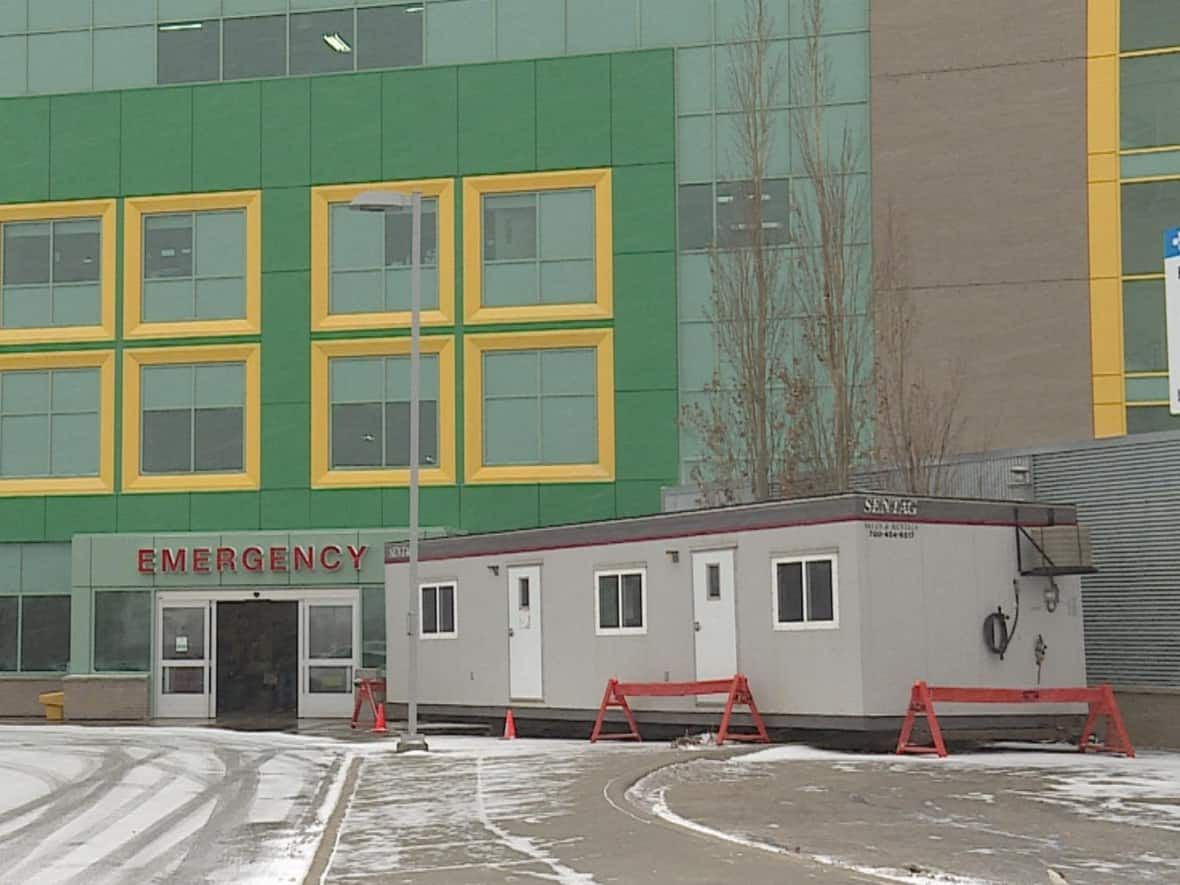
[
  {"x": 621, "y": 603},
  {"x": 804, "y": 592},
  {"x": 438, "y": 611}
]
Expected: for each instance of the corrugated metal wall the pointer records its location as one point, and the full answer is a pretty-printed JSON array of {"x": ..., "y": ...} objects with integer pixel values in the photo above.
[{"x": 1128, "y": 494}]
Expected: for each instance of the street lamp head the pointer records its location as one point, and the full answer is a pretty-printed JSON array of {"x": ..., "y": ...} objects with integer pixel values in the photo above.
[{"x": 381, "y": 201}]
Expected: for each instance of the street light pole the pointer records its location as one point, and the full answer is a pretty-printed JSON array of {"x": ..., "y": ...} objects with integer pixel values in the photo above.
[
  {"x": 412, "y": 740},
  {"x": 385, "y": 202}
]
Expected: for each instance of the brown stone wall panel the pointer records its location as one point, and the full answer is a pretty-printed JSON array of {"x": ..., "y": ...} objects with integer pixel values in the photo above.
[
  {"x": 1025, "y": 354},
  {"x": 912, "y": 36},
  {"x": 986, "y": 171}
]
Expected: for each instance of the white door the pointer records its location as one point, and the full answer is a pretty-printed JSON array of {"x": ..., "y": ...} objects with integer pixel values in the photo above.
[
  {"x": 713, "y": 614},
  {"x": 524, "y": 633},
  {"x": 185, "y": 641},
  {"x": 329, "y": 646}
]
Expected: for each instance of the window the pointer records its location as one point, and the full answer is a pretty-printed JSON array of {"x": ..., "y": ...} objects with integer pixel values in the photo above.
[
  {"x": 540, "y": 406},
  {"x": 389, "y": 37},
  {"x": 362, "y": 262},
  {"x": 713, "y": 580},
  {"x": 193, "y": 265},
  {"x": 805, "y": 593},
  {"x": 372, "y": 259},
  {"x": 254, "y": 47},
  {"x": 1146, "y": 88},
  {"x": 438, "y": 611},
  {"x": 49, "y": 422},
  {"x": 1148, "y": 209},
  {"x": 1150, "y": 419},
  {"x": 522, "y": 590},
  {"x": 1149, "y": 24},
  {"x": 56, "y": 414},
  {"x": 621, "y": 603},
  {"x": 34, "y": 634},
  {"x": 122, "y": 631},
  {"x": 192, "y": 418},
  {"x": 188, "y": 52},
  {"x": 57, "y": 271},
  {"x": 322, "y": 42},
  {"x": 371, "y": 411},
  {"x": 361, "y": 412},
  {"x": 1144, "y": 329},
  {"x": 728, "y": 219},
  {"x": 538, "y": 246}
]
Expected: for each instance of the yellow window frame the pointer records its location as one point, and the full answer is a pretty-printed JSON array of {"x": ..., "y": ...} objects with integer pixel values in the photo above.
[
  {"x": 475, "y": 189},
  {"x": 104, "y": 482},
  {"x": 322, "y": 473},
  {"x": 475, "y": 346},
  {"x": 106, "y": 212},
  {"x": 134, "y": 359},
  {"x": 134, "y": 209},
  {"x": 322, "y": 200}
]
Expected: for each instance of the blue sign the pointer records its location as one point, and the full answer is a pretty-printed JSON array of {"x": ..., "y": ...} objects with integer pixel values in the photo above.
[{"x": 1172, "y": 243}]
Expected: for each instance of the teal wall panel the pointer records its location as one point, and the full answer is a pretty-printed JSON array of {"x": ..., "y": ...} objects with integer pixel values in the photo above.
[
  {"x": 22, "y": 519},
  {"x": 24, "y": 145},
  {"x": 69, "y": 515},
  {"x": 638, "y": 497},
  {"x": 644, "y": 108},
  {"x": 286, "y": 233},
  {"x": 227, "y": 137},
  {"x": 420, "y": 133},
  {"x": 572, "y": 502},
  {"x": 496, "y": 508},
  {"x": 497, "y": 104},
  {"x": 286, "y": 447},
  {"x": 84, "y": 146},
  {"x": 648, "y": 448},
  {"x": 286, "y": 509},
  {"x": 157, "y": 127},
  {"x": 286, "y": 133},
  {"x": 574, "y": 112},
  {"x": 645, "y": 321},
  {"x": 224, "y": 511},
  {"x": 164, "y": 512},
  {"x": 346, "y": 129},
  {"x": 645, "y": 221},
  {"x": 345, "y": 508}
]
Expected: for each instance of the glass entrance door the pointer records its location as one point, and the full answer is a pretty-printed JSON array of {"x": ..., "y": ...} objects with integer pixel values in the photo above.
[
  {"x": 329, "y": 632},
  {"x": 185, "y": 671}
]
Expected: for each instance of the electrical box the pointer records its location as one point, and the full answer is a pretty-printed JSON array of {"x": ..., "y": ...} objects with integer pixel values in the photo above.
[{"x": 1056, "y": 550}]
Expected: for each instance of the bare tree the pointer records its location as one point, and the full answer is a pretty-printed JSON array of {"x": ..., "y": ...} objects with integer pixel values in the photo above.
[
  {"x": 814, "y": 376},
  {"x": 830, "y": 210},
  {"x": 743, "y": 424},
  {"x": 919, "y": 423}
]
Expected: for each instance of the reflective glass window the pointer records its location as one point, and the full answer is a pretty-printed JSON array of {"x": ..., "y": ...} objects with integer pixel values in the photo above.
[
  {"x": 44, "y": 634},
  {"x": 188, "y": 52},
  {"x": 193, "y": 418},
  {"x": 49, "y": 423},
  {"x": 371, "y": 411},
  {"x": 254, "y": 47},
  {"x": 371, "y": 259},
  {"x": 122, "y": 631},
  {"x": 322, "y": 42},
  {"x": 389, "y": 37},
  {"x": 194, "y": 266},
  {"x": 540, "y": 406}
]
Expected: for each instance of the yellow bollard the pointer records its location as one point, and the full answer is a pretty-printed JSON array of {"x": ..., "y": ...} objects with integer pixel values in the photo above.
[{"x": 54, "y": 703}]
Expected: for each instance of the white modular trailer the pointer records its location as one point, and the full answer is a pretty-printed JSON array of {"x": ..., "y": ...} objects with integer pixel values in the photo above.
[{"x": 832, "y": 607}]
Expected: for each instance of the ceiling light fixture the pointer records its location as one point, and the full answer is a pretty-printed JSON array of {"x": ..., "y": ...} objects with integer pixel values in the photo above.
[
  {"x": 183, "y": 26},
  {"x": 337, "y": 42},
  {"x": 413, "y": 8}
]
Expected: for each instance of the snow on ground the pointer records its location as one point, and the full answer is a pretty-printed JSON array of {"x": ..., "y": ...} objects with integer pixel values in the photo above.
[
  {"x": 1144, "y": 791},
  {"x": 162, "y": 804},
  {"x": 466, "y": 806}
]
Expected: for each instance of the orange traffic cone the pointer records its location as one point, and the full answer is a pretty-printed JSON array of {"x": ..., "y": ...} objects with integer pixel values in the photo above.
[
  {"x": 379, "y": 725},
  {"x": 509, "y": 727}
]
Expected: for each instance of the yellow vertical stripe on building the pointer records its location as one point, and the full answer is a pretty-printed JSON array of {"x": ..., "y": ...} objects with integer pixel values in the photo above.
[{"x": 1108, "y": 376}]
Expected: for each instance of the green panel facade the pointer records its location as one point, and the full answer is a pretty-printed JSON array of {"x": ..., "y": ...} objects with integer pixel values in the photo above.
[{"x": 286, "y": 136}]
